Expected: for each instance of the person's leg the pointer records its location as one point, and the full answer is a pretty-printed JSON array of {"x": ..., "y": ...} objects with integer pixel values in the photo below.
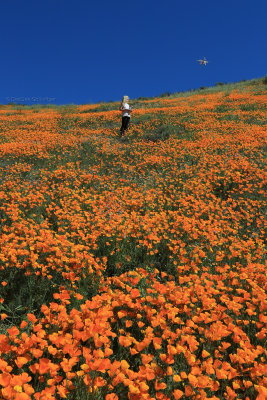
[
  {"x": 123, "y": 124},
  {"x": 121, "y": 127},
  {"x": 127, "y": 123}
]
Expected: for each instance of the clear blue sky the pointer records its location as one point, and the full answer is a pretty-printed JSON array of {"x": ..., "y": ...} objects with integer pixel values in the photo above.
[{"x": 87, "y": 51}]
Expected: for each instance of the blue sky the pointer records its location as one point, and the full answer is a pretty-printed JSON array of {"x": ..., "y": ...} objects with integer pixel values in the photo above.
[{"x": 83, "y": 51}]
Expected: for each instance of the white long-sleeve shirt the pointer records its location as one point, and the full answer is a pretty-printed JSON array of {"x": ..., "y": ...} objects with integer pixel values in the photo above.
[{"x": 126, "y": 110}]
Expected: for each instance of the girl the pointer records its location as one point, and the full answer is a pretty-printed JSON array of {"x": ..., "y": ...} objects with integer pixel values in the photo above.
[{"x": 126, "y": 114}]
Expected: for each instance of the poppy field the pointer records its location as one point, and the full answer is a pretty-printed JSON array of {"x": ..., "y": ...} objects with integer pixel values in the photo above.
[{"x": 135, "y": 268}]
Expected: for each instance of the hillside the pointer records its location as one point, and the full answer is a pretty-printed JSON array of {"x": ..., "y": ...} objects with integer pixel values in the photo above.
[{"x": 135, "y": 268}]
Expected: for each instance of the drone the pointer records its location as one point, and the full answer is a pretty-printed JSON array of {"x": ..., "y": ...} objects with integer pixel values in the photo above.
[{"x": 203, "y": 62}]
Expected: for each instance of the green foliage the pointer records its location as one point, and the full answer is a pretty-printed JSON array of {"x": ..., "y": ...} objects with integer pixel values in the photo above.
[
  {"x": 24, "y": 294},
  {"x": 143, "y": 98},
  {"x": 222, "y": 108},
  {"x": 219, "y": 83},
  {"x": 67, "y": 109},
  {"x": 161, "y": 130},
  {"x": 229, "y": 117},
  {"x": 66, "y": 123},
  {"x": 165, "y": 94},
  {"x": 223, "y": 188},
  {"x": 162, "y": 133},
  {"x": 249, "y": 107},
  {"x": 103, "y": 107}
]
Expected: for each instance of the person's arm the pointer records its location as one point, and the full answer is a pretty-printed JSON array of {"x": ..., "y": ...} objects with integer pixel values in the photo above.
[{"x": 130, "y": 109}]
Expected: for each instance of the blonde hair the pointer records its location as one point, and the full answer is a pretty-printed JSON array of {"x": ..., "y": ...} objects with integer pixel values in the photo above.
[{"x": 125, "y": 99}]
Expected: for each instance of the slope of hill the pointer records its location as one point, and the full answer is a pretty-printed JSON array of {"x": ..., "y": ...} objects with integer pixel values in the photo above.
[{"x": 135, "y": 269}]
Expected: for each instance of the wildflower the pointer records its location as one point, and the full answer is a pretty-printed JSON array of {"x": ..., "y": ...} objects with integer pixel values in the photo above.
[
  {"x": 111, "y": 396},
  {"x": 177, "y": 394}
]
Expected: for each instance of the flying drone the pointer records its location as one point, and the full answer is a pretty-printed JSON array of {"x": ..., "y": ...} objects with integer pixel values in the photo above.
[{"x": 203, "y": 62}]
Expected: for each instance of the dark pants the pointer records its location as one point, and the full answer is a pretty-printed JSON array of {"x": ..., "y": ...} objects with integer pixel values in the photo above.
[{"x": 124, "y": 125}]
